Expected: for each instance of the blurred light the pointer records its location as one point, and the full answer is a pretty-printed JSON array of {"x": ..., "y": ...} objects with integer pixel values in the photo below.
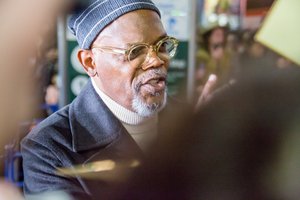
[
  {"x": 223, "y": 19},
  {"x": 213, "y": 17}
]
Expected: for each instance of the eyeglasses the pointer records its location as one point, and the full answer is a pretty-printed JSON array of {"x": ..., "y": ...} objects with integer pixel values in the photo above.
[{"x": 164, "y": 48}]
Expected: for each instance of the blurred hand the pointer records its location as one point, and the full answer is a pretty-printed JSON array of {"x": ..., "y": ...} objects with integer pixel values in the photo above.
[
  {"x": 207, "y": 91},
  {"x": 9, "y": 191}
]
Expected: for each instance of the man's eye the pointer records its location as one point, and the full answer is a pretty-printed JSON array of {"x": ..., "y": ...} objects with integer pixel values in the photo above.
[
  {"x": 166, "y": 47},
  {"x": 137, "y": 51},
  {"x": 163, "y": 47}
]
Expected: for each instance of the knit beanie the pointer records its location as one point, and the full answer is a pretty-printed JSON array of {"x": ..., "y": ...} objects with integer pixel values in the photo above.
[{"x": 87, "y": 22}]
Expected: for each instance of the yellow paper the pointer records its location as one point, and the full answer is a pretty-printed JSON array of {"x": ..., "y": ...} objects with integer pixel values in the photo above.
[{"x": 280, "y": 30}]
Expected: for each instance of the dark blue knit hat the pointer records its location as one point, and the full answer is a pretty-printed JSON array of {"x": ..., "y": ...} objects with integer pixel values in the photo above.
[{"x": 88, "y": 22}]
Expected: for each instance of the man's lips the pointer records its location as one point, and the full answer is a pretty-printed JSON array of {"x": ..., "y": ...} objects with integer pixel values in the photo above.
[
  {"x": 154, "y": 79},
  {"x": 155, "y": 84}
]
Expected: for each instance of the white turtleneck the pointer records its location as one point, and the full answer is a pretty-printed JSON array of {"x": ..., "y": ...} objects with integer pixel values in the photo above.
[{"x": 142, "y": 129}]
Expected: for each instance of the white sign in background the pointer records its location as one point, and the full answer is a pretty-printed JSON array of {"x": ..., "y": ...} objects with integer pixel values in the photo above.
[{"x": 175, "y": 17}]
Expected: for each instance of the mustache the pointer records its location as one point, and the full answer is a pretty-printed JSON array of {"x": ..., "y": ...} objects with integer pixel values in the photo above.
[{"x": 155, "y": 73}]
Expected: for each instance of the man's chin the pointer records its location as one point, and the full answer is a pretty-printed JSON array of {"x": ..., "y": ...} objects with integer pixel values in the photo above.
[{"x": 150, "y": 105}]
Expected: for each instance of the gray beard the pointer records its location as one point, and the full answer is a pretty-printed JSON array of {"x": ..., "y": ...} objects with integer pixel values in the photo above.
[{"x": 147, "y": 110}]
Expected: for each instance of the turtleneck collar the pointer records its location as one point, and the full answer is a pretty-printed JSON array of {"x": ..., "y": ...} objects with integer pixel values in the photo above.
[{"x": 122, "y": 113}]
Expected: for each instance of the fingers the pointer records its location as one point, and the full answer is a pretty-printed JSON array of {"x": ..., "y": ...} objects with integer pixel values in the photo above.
[
  {"x": 208, "y": 87},
  {"x": 207, "y": 90}
]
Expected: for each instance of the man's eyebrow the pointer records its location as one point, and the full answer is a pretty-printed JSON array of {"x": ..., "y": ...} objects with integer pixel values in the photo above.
[
  {"x": 161, "y": 37},
  {"x": 158, "y": 39}
]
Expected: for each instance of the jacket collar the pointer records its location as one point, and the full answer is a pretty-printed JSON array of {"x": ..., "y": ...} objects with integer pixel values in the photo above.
[{"x": 92, "y": 124}]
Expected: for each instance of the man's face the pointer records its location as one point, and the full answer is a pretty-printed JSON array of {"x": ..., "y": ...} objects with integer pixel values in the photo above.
[{"x": 139, "y": 87}]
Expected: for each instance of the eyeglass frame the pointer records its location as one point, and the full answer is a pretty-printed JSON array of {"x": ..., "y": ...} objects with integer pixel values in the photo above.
[{"x": 126, "y": 52}]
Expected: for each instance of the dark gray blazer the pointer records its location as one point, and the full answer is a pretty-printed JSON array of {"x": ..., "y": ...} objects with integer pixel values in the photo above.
[{"x": 82, "y": 132}]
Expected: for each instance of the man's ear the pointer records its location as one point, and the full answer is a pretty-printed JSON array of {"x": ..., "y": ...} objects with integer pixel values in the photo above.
[{"x": 86, "y": 59}]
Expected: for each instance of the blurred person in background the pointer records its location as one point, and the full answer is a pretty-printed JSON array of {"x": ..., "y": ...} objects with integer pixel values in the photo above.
[
  {"x": 244, "y": 36},
  {"x": 213, "y": 57},
  {"x": 254, "y": 55},
  {"x": 232, "y": 43},
  {"x": 49, "y": 86}
]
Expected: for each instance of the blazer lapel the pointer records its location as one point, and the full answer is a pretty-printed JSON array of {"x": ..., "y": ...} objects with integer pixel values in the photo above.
[{"x": 92, "y": 124}]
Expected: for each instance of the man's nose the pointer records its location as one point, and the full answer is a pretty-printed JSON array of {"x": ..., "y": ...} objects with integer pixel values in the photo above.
[{"x": 152, "y": 60}]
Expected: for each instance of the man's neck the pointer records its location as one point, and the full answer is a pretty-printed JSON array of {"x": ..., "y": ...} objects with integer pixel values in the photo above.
[{"x": 122, "y": 113}]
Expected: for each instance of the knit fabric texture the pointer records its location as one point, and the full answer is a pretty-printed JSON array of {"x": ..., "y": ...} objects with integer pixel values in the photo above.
[{"x": 89, "y": 21}]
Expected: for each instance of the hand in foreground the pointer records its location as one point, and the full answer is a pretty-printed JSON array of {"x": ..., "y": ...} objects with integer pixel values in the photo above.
[
  {"x": 9, "y": 191},
  {"x": 207, "y": 91}
]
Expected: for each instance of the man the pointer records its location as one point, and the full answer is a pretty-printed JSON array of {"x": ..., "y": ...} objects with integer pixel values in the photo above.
[{"x": 126, "y": 52}]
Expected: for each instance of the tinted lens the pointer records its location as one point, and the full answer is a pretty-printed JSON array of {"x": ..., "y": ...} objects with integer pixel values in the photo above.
[
  {"x": 168, "y": 46},
  {"x": 139, "y": 51},
  {"x": 166, "y": 49}
]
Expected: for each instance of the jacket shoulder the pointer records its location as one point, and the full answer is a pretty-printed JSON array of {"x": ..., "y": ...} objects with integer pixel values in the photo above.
[{"x": 52, "y": 130}]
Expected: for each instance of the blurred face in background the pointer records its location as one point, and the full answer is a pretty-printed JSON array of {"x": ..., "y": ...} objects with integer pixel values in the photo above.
[{"x": 217, "y": 43}]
